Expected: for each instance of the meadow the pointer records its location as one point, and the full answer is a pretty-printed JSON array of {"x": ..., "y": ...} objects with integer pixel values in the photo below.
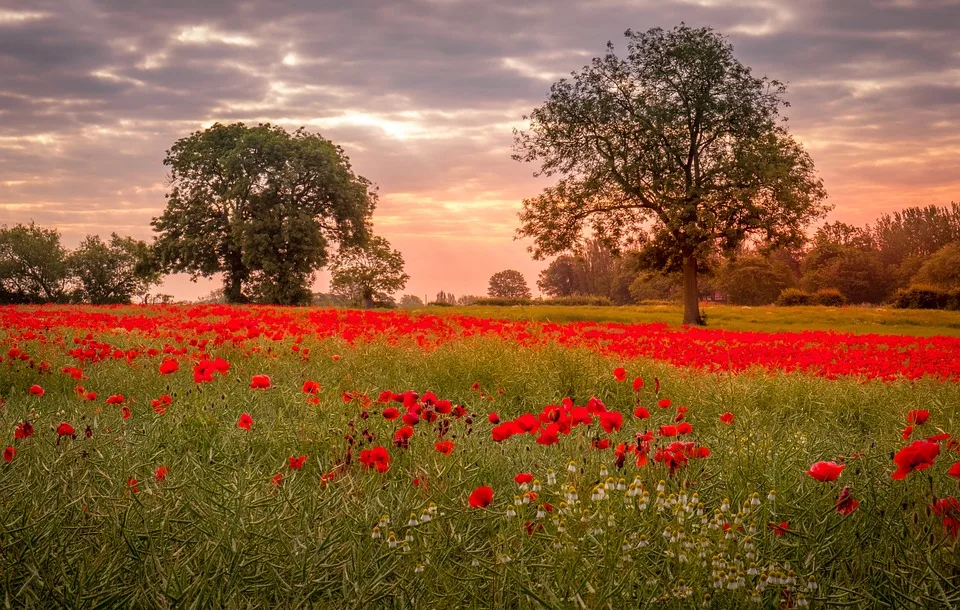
[{"x": 252, "y": 456}]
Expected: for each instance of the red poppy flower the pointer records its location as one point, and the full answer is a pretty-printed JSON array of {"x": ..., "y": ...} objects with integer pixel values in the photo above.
[
  {"x": 296, "y": 463},
  {"x": 549, "y": 435},
  {"x": 949, "y": 509},
  {"x": 918, "y": 455},
  {"x": 668, "y": 431},
  {"x": 160, "y": 474},
  {"x": 727, "y": 418},
  {"x": 637, "y": 384},
  {"x": 481, "y": 497},
  {"x": 602, "y": 443},
  {"x": 527, "y": 423},
  {"x": 36, "y": 390},
  {"x": 664, "y": 403},
  {"x": 65, "y": 429},
  {"x": 620, "y": 374},
  {"x": 375, "y": 457},
  {"x": 23, "y": 430},
  {"x": 493, "y": 418},
  {"x": 9, "y": 453},
  {"x": 277, "y": 480},
  {"x": 444, "y": 447},
  {"x": 169, "y": 365},
  {"x": 845, "y": 503},
  {"x": 826, "y": 471},
  {"x": 410, "y": 418},
  {"x": 779, "y": 529},
  {"x": 245, "y": 421},
  {"x": 391, "y": 413},
  {"x": 610, "y": 421},
  {"x": 954, "y": 471},
  {"x": 918, "y": 417},
  {"x": 125, "y": 412},
  {"x": 91, "y": 396},
  {"x": 684, "y": 428},
  {"x": 311, "y": 387},
  {"x": 906, "y": 433},
  {"x": 402, "y": 437},
  {"x": 523, "y": 478},
  {"x": 260, "y": 382},
  {"x": 116, "y": 399},
  {"x": 504, "y": 431},
  {"x": 133, "y": 485}
]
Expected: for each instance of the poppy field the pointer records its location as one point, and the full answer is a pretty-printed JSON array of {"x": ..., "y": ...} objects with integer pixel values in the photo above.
[{"x": 242, "y": 456}]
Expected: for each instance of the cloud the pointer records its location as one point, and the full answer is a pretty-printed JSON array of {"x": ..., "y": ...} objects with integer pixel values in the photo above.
[{"x": 424, "y": 95}]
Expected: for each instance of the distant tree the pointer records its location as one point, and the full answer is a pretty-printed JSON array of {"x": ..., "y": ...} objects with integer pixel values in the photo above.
[
  {"x": 409, "y": 301},
  {"x": 654, "y": 286},
  {"x": 754, "y": 279},
  {"x": 445, "y": 298},
  {"x": 677, "y": 141},
  {"x": 33, "y": 265},
  {"x": 467, "y": 299},
  {"x": 844, "y": 257},
  {"x": 508, "y": 284},
  {"x": 942, "y": 269},
  {"x": 906, "y": 239},
  {"x": 369, "y": 273},
  {"x": 259, "y": 206},
  {"x": 114, "y": 272}
]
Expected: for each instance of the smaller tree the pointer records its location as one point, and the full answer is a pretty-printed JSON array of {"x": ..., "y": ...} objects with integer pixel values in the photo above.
[
  {"x": 559, "y": 279},
  {"x": 33, "y": 266},
  {"x": 755, "y": 280},
  {"x": 114, "y": 272},
  {"x": 410, "y": 301},
  {"x": 508, "y": 284},
  {"x": 368, "y": 274}
]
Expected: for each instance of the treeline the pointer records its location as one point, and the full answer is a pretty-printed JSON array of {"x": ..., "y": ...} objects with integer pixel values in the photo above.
[
  {"x": 915, "y": 247},
  {"x": 36, "y": 268}
]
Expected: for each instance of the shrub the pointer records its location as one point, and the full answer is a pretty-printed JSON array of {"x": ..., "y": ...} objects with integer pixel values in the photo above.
[
  {"x": 830, "y": 297},
  {"x": 792, "y": 297},
  {"x": 923, "y": 296}
]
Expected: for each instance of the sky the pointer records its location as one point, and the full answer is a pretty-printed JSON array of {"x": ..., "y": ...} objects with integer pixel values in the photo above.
[{"x": 424, "y": 96}]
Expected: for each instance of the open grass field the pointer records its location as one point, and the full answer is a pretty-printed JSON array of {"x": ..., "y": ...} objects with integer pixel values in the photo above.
[
  {"x": 882, "y": 320},
  {"x": 234, "y": 457}
]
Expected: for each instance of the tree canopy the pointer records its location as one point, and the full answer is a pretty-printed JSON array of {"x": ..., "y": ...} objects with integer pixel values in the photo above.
[
  {"x": 114, "y": 272},
  {"x": 368, "y": 274},
  {"x": 508, "y": 284},
  {"x": 677, "y": 145},
  {"x": 260, "y": 206},
  {"x": 33, "y": 265}
]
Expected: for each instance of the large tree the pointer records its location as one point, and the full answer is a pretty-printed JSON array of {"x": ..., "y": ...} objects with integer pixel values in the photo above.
[
  {"x": 33, "y": 265},
  {"x": 260, "y": 206},
  {"x": 114, "y": 272},
  {"x": 676, "y": 143},
  {"x": 368, "y": 274}
]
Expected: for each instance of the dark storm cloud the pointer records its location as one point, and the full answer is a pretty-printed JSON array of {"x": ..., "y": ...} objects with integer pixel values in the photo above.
[{"x": 424, "y": 95}]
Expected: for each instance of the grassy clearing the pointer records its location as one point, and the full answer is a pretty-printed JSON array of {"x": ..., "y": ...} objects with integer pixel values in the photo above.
[
  {"x": 217, "y": 532},
  {"x": 923, "y": 323}
]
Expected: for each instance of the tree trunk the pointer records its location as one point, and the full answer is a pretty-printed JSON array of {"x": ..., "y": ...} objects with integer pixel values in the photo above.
[
  {"x": 691, "y": 297},
  {"x": 367, "y": 298},
  {"x": 235, "y": 290}
]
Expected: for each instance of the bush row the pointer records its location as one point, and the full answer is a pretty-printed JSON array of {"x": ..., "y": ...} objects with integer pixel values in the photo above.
[
  {"x": 927, "y": 297},
  {"x": 573, "y": 301},
  {"x": 830, "y": 297}
]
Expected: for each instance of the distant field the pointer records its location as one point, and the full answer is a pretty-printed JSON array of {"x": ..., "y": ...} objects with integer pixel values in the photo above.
[{"x": 880, "y": 320}]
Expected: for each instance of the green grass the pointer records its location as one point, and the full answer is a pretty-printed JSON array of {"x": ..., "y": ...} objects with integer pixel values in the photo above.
[
  {"x": 860, "y": 320},
  {"x": 216, "y": 533}
]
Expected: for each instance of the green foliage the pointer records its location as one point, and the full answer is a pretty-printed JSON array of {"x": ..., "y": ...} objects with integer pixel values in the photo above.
[
  {"x": 571, "y": 301},
  {"x": 921, "y": 296},
  {"x": 114, "y": 272},
  {"x": 33, "y": 265},
  {"x": 676, "y": 146},
  {"x": 260, "y": 206},
  {"x": 755, "y": 280},
  {"x": 792, "y": 297},
  {"x": 410, "y": 301},
  {"x": 509, "y": 284},
  {"x": 942, "y": 268},
  {"x": 653, "y": 286},
  {"x": 845, "y": 257},
  {"x": 368, "y": 273},
  {"x": 828, "y": 297}
]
